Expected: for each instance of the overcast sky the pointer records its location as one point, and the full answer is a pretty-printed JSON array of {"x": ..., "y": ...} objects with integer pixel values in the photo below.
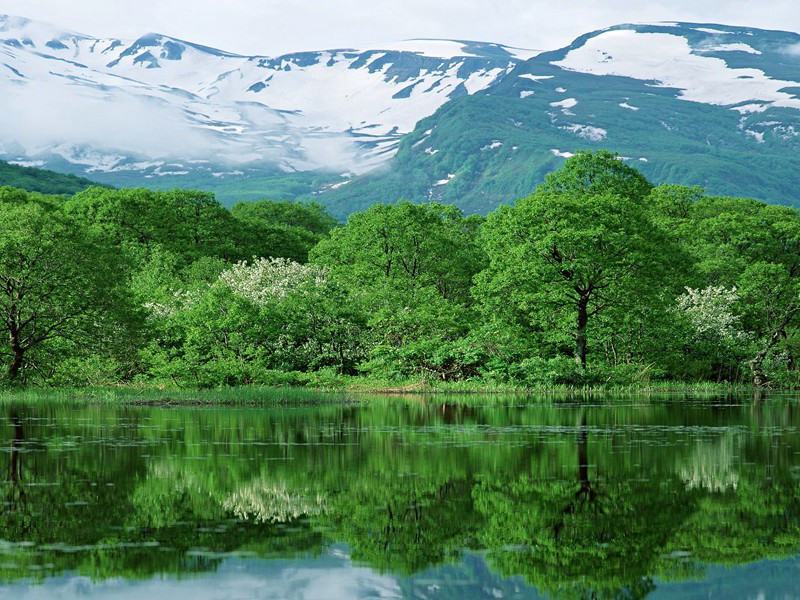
[{"x": 274, "y": 27}]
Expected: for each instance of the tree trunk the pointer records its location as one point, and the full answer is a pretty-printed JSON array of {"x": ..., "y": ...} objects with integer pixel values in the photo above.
[
  {"x": 583, "y": 457},
  {"x": 580, "y": 337},
  {"x": 757, "y": 364},
  {"x": 17, "y": 360}
]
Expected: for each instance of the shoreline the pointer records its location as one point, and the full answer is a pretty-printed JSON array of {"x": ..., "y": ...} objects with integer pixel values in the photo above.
[{"x": 357, "y": 392}]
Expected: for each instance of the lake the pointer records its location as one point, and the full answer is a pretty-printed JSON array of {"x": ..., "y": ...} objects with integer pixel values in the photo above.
[{"x": 678, "y": 497}]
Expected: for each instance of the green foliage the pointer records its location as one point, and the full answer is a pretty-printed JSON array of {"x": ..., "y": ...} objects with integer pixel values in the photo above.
[
  {"x": 285, "y": 229},
  {"x": 595, "y": 279},
  {"x": 61, "y": 295},
  {"x": 597, "y": 173},
  {"x": 412, "y": 266},
  {"x": 569, "y": 253}
]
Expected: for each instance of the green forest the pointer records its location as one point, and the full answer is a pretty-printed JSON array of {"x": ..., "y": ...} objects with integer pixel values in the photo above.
[
  {"x": 597, "y": 278},
  {"x": 41, "y": 180}
]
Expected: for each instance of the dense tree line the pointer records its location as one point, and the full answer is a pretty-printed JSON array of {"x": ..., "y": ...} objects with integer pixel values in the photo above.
[{"x": 596, "y": 277}]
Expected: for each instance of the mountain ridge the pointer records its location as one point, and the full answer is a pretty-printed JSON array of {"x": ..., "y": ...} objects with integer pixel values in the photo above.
[
  {"x": 734, "y": 129},
  {"x": 257, "y": 112},
  {"x": 687, "y": 102}
]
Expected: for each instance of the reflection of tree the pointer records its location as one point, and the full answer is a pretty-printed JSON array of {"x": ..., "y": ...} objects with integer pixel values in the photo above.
[
  {"x": 586, "y": 496},
  {"x": 404, "y": 525},
  {"x": 407, "y": 487},
  {"x": 600, "y": 540},
  {"x": 80, "y": 509},
  {"x": 17, "y": 512}
]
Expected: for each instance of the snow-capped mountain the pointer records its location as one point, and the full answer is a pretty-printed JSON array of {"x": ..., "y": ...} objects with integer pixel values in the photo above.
[
  {"x": 698, "y": 104},
  {"x": 159, "y": 106},
  {"x": 475, "y": 124}
]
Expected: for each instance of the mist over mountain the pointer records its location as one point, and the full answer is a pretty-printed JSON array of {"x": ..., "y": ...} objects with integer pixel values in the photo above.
[{"x": 471, "y": 123}]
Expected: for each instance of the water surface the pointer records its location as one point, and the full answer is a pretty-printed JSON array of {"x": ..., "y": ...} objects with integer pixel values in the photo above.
[{"x": 685, "y": 497}]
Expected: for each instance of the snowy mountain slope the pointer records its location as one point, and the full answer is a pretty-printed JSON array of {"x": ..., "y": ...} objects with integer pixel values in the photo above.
[
  {"x": 476, "y": 124},
  {"x": 688, "y": 103},
  {"x": 162, "y": 107}
]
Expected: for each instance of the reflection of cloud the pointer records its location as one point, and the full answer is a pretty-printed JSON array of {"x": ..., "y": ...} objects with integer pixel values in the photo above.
[{"x": 326, "y": 578}]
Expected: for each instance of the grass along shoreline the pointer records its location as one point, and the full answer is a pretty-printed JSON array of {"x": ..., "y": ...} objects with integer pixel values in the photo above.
[{"x": 355, "y": 391}]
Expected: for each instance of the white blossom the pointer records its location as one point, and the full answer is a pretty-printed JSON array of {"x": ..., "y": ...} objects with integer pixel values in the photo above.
[
  {"x": 711, "y": 312},
  {"x": 164, "y": 310},
  {"x": 269, "y": 279},
  {"x": 265, "y": 502}
]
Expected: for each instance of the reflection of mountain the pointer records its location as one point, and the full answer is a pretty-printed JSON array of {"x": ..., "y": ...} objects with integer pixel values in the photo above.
[{"x": 605, "y": 506}]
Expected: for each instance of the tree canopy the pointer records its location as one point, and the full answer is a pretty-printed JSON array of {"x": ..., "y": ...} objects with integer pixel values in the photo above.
[{"x": 597, "y": 277}]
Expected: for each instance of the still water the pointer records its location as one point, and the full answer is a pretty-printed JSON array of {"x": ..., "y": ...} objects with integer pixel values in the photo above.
[{"x": 681, "y": 497}]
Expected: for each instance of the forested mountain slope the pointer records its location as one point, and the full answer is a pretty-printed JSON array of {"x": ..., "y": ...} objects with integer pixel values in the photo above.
[
  {"x": 701, "y": 105},
  {"x": 40, "y": 180}
]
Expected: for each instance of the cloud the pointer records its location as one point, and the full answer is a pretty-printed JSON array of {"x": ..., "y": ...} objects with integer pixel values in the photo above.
[
  {"x": 793, "y": 50},
  {"x": 32, "y": 117},
  {"x": 271, "y": 27}
]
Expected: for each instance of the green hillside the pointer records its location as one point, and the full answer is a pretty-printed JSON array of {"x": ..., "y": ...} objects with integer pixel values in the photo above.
[
  {"x": 496, "y": 146},
  {"x": 41, "y": 180}
]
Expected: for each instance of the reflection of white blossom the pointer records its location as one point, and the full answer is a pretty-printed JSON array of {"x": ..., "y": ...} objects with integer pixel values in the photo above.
[
  {"x": 711, "y": 312},
  {"x": 267, "y": 502},
  {"x": 271, "y": 278},
  {"x": 711, "y": 466}
]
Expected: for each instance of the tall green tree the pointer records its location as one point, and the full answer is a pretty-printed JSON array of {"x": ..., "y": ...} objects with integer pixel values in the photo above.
[
  {"x": 600, "y": 172},
  {"x": 412, "y": 265},
  {"x": 57, "y": 282},
  {"x": 568, "y": 253}
]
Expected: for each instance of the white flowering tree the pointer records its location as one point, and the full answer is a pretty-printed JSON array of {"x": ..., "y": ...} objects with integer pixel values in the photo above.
[
  {"x": 711, "y": 311},
  {"x": 269, "y": 279}
]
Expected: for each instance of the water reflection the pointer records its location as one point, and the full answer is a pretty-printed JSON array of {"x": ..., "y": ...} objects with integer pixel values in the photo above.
[{"x": 402, "y": 499}]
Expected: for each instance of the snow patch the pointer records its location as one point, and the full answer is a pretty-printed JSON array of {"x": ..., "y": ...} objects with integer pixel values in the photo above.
[
  {"x": 587, "y": 132},
  {"x": 731, "y": 48},
  {"x": 535, "y": 77},
  {"x": 493, "y": 146},
  {"x": 525, "y": 93},
  {"x": 758, "y": 135},
  {"x": 568, "y": 103},
  {"x": 751, "y": 108},
  {"x": 445, "y": 181},
  {"x": 713, "y": 31},
  {"x": 669, "y": 61}
]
